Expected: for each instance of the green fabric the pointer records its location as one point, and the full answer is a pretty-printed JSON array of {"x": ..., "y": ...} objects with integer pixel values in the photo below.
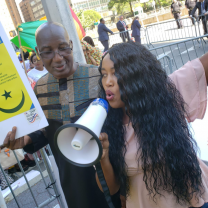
[
  {"x": 16, "y": 42},
  {"x": 27, "y": 36}
]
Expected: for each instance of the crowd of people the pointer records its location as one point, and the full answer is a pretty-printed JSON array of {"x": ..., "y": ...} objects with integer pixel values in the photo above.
[
  {"x": 197, "y": 10},
  {"x": 149, "y": 155}
]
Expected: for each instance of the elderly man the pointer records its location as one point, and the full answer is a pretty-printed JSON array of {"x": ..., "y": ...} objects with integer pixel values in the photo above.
[
  {"x": 123, "y": 29},
  {"x": 66, "y": 86}
]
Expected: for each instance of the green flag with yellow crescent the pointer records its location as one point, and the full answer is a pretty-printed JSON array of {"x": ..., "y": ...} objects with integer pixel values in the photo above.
[{"x": 14, "y": 98}]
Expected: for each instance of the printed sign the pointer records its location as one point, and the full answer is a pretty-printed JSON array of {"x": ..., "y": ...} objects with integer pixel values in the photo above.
[{"x": 18, "y": 104}]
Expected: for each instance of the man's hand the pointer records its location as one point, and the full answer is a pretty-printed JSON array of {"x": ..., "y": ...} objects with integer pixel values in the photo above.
[{"x": 12, "y": 143}]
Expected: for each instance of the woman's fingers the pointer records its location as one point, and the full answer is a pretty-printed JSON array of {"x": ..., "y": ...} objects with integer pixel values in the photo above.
[{"x": 104, "y": 140}]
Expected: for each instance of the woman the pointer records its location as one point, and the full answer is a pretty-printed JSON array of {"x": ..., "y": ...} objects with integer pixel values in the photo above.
[
  {"x": 92, "y": 54},
  {"x": 89, "y": 40},
  {"x": 152, "y": 153},
  {"x": 135, "y": 26},
  {"x": 39, "y": 70}
]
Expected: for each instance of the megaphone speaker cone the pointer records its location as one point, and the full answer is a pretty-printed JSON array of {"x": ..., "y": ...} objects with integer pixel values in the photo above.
[
  {"x": 74, "y": 141},
  {"x": 80, "y": 139}
]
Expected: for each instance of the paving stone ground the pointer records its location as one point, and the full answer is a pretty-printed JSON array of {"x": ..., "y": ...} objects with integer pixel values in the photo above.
[{"x": 26, "y": 201}]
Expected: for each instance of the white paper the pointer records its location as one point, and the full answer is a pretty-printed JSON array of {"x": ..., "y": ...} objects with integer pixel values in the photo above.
[{"x": 35, "y": 118}]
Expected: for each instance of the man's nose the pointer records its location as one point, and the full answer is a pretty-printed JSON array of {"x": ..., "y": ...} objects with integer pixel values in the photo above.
[{"x": 57, "y": 57}]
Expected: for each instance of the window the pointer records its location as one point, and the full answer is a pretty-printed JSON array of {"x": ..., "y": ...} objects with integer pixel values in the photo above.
[
  {"x": 42, "y": 12},
  {"x": 32, "y": 3},
  {"x": 36, "y": 15},
  {"x": 40, "y": 6},
  {"x": 35, "y": 9}
]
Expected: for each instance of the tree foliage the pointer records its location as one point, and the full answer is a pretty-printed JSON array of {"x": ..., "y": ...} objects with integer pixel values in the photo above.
[
  {"x": 120, "y": 4},
  {"x": 88, "y": 17}
]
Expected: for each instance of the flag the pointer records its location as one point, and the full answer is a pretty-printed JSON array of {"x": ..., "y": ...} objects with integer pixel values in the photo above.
[{"x": 78, "y": 25}]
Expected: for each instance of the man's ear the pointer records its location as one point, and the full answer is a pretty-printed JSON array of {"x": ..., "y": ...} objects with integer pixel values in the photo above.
[{"x": 37, "y": 53}]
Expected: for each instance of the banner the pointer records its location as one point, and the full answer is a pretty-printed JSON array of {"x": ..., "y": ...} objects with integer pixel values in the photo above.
[{"x": 18, "y": 104}]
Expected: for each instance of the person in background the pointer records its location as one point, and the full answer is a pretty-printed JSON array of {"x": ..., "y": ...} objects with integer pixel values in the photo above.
[
  {"x": 190, "y": 4},
  {"x": 89, "y": 40},
  {"x": 103, "y": 34},
  {"x": 27, "y": 62},
  {"x": 135, "y": 26},
  {"x": 39, "y": 70},
  {"x": 123, "y": 29},
  {"x": 202, "y": 7},
  {"x": 176, "y": 11},
  {"x": 31, "y": 64},
  {"x": 92, "y": 54}
]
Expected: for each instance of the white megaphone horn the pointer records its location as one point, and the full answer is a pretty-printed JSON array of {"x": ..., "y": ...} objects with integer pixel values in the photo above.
[{"x": 79, "y": 143}]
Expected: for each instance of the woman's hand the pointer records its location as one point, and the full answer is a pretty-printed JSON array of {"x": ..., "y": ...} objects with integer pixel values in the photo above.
[
  {"x": 107, "y": 168},
  {"x": 88, "y": 53},
  {"x": 105, "y": 144}
]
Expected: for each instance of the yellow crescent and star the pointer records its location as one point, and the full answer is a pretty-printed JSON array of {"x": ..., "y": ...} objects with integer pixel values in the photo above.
[{"x": 14, "y": 98}]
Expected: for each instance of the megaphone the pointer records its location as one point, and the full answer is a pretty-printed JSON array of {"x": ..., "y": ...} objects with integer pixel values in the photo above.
[{"x": 79, "y": 143}]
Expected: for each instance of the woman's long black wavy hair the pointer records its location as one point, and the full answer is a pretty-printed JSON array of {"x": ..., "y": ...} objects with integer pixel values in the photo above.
[{"x": 157, "y": 112}]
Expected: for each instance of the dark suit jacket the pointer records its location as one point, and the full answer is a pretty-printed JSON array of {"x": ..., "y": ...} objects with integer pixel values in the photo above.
[
  {"x": 135, "y": 28},
  {"x": 198, "y": 6},
  {"x": 103, "y": 32},
  {"x": 120, "y": 26}
]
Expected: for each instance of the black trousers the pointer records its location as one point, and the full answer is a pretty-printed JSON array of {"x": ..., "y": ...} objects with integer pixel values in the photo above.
[
  {"x": 124, "y": 36},
  {"x": 105, "y": 44},
  {"x": 195, "y": 16},
  {"x": 137, "y": 39},
  {"x": 177, "y": 16},
  {"x": 204, "y": 22}
]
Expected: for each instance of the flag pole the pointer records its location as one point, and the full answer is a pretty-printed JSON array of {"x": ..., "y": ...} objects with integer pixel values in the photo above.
[{"x": 21, "y": 51}]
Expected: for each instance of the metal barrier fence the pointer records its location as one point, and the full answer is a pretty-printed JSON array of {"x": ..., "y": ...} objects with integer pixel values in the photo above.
[
  {"x": 47, "y": 186},
  {"x": 116, "y": 38},
  {"x": 166, "y": 63},
  {"x": 168, "y": 31},
  {"x": 183, "y": 51},
  {"x": 163, "y": 32}
]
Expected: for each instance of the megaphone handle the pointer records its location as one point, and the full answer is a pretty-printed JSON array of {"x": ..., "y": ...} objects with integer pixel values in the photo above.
[{"x": 104, "y": 185}]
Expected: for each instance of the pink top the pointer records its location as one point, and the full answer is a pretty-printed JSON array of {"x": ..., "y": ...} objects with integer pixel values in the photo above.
[{"x": 191, "y": 82}]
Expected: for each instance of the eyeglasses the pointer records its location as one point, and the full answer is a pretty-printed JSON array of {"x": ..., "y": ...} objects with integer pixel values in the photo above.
[{"x": 50, "y": 54}]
